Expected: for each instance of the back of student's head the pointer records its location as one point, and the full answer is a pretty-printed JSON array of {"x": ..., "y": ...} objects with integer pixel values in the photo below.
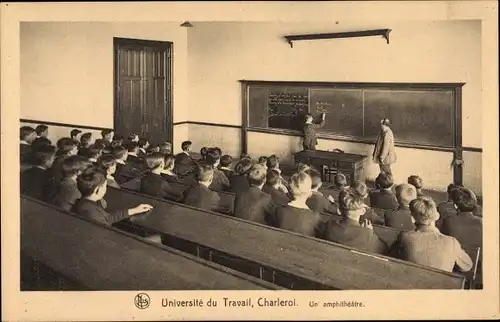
[
  {"x": 204, "y": 173},
  {"x": 73, "y": 165},
  {"x": 243, "y": 166},
  {"x": 119, "y": 153},
  {"x": 133, "y": 147},
  {"x": 384, "y": 181},
  {"x": 203, "y": 152},
  {"x": 106, "y": 162},
  {"x": 257, "y": 175},
  {"x": 89, "y": 180},
  {"x": 43, "y": 155},
  {"x": 101, "y": 143},
  {"x": 464, "y": 199},
  {"x": 74, "y": 133},
  {"x": 186, "y": 145},
  {"x": 86, "y": 138},
  {"x": 405, "y": 193},
  {"x": 360, "y": 188},
  {"x": 40, "y": 142},
  {"x": 350, "y": 201},
  {"x": 315, "y": 178},
  {"x": 27, "y": 133},
  {"x": 340, "y": 180},
  {"x": 300, "y": 185},
  {"x": 41, "y": 129},
  {"x": 452, "y": 186},
  {"x": 66, "y": 146},
  {"x": 218, "y": 150},
  {"x": 94, "y": 151},
  {"x": 273, "y": 161},
  {"x": 226, "y": 160},
  {"x": 303, "y": 167},
  {"x": 212, "y": 157},
  {"x": 424, "y": 210},
  {"x": 244, "y": 155},
  {"x": 133, "y": 137},
  {"x": 273, "y": 177},
  {"x": 263, "y": 160},
  {"x": 166, "y": 147},
  {"x": 169, "y": 161},
  {"x": 143, "y": 143},
  {"x": 415, "y": 181},
  {"x": 155, "y": 160}
]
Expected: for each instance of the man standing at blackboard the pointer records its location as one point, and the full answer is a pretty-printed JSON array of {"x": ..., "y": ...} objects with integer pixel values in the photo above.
[
  {"x": 384, "y": 152},
  {"x": 310, "y": 141}
]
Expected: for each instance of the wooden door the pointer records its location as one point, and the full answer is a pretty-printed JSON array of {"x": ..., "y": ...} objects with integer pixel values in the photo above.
[{"x": 143, "y": 89}]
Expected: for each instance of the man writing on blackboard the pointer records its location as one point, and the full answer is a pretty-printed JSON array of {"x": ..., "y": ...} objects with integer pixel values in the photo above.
[
  {"x": 384, "y": 152},
  {"x": 310, "y": 141}
]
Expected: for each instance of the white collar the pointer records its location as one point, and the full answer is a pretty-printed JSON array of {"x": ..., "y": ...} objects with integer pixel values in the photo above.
[
  {"x": 39, "y": 167},
  {"x": 132, "y": 153},
  {"x": 185, "y": 152},
  {"x": 144, "y": 151},
  {"x": 225, "y": 168},
  {"x": 295, "y": 204},
  {"x": 92, "y": 160},
  {"x": 110, "y": 176},
  {"x": 120, "y": 161},
  {"x": 24, "y": 142}
]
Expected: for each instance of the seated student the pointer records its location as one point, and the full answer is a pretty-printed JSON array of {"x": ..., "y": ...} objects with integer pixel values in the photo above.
[
  {"x": 426, "y": 245},
  {"x": 339, "y": 184},
  {"x": 263, "y": 161},
  {"x": 203, "y": 153},
  {"x": 107, "y": 136},
  {"x": 66, "y": 147},
  {"x": 271, "y": 187},
  {"x": 301, "y": 167},
  {"x": 199, "y": 195},
  {"x": 183, "y": 161},
  {"x": 383, "y": 198},
  {"x": 85, "y": 140},
  {"x": 117, "y": 140},
  {"x": 124, "y": 171},
  {"x": 42, "y": 131},
  {"x": 74, "y": 134},
  {"x": 401, "y": 217},
  {"x": 418, "y": 183},
  {"x": 104, "y": 145},
  {"x": 167, "y": 172},
  {"x": 295, "y": 215},
  {"x": 253, "y": 204},
  {"x": 65, "y": 192},
  {"x": 244, "y": 155},
  {"x": 239, "y": 181},
  {"x": 225, "y": 165},
  {"x": 133, "y": 138},
  {"x": 317, "y": 202},
  {"x": 464, "y": 226},
  {"x": 39, "y": 142},
  {"x": 107, "y": 163},
  {"x": 447, "y": 208},
  {"x": 27, "y": 136},
  {"x": 92, "y": 153},
  {"x": 33, "y": 180},
  {"x": 133, "y": 155},
  {"x": 166, "y": 148},
  {"x": 219, "y": 182},
  {"x": 153, "y": 184},
  {"x": 362, "y": 190},
  {"x": 348, "y": 231},
  {"x": 92, "y": 186},
  {"x": 273, "y": 163}
]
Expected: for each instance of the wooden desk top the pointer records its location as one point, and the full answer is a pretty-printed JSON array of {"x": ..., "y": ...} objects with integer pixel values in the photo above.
[
  {"x": 331, "y": 155},
  {"x": 101, "y": 258},
  {"x": 324, "y": 262}
]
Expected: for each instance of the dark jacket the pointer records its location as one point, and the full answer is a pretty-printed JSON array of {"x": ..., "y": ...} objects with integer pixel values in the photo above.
[
  {"x": 183, "y": 164},
  {"x": 399, "y": 218},
  {"x": 302, "y": 221},
  {"x": 238, "y": 183},
  {"x": 66, "y": 194},
  {"x": 171, "y": 178},
  {"x": 372, "y": 216},
  {"x": 154, "y": 185},
  {"x": 93, "y": 210},
  {"x": 350, "y": 233},
  {"x": 220, "y": 182},
  {"x": 465, "y": 227},
  {"x": 33, "y": 182},
  {"x": 317, "y": 202},
  {"x": 445, "y": 209},
  {"x": 279, "y": 197},
  {"x": 136, "y": 162},
  {"x": 200, "y": 196},
  {"x": 254, "y": 205},
  {"x": 309, "y": 140},
  {"x": 55, "y": 173},
  {"x": 383, "y": 199},
  {"x": 227, "y": 172},
  {"x": 126, "y": 172},
  {"x": 25, "y": 152}
]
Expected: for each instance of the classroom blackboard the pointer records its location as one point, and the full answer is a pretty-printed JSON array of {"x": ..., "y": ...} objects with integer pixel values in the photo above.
[{"x": 421, "y": 114}]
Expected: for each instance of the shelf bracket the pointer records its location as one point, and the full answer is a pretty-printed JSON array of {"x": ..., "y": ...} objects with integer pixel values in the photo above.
[{"x": 352, "y": 34}]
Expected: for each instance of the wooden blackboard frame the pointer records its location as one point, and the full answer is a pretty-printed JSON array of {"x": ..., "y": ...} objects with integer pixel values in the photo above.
[{"x": 456, "y": 148}]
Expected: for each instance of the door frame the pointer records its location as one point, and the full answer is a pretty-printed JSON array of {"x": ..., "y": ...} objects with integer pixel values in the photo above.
[{"x": 169, "y": 109}]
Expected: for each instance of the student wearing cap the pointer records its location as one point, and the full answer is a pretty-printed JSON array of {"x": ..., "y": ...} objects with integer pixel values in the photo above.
[{"x": 384, "y": 152}]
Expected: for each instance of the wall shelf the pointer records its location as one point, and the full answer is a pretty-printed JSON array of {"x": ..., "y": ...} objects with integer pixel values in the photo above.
[{"x": 351, "y": 34}]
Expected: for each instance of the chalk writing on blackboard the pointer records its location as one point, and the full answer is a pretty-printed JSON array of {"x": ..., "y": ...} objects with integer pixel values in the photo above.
[{"x": 323, "y": 106}]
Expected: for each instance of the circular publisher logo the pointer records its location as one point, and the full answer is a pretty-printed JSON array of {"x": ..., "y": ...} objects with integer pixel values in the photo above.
[{"x": 142, "y": 301}]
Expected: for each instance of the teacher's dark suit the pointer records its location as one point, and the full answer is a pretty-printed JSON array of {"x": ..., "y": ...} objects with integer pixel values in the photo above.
[
  {"x": 384, "y": 152},
  {"x": 309, "y": 142}
]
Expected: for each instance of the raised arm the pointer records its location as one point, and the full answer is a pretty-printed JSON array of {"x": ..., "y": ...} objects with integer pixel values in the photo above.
[{"x": 322, "y": 122}]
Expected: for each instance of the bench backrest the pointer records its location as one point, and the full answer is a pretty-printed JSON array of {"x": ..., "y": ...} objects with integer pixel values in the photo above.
[
  {"x": 96, "y": 257},
  {"x": 267, "y": 250}
]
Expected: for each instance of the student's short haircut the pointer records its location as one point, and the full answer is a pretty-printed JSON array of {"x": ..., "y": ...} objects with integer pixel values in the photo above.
[
  {"x": 94, "y": 151},
  {"x": 132, "y": 146},
  {"x": 303, "y": 167},
  {"x": 204, "y": 151},
  {"x": 89, "y": 180},
  {"x": 212, "y": 156},
  {"x": 142, "y": 142},
  {"x": 101, "y": 142},
  {"x": 64, "y": 145},
  {"x": 464, "y": 199},
  {"x": 25, "y": 131},
  {"x": 244, "y": 155},
  {"x": 384, "y": 181},
  {"x": 41, "y": 128},
  {"x": 360, "y": 188},
  {"x": 85, "y": 138},
  {"x": 243, "y": 166},
  {"x": 204, "y": 173},
  {"x": 73, "y": 164},
  {"x": 132, "y": 136},
  {"x": 263, "y": 160},
  {"x": 315, "y": 177},
  {"x": 218, "y": 150},
  {"x": 415, "y": 181},
  {"x": 405, "y": 193},
  {"x": 272, "y": 161},
  {"x": 300, "y": 184},
  {"x": 118, "y": 137},
  {"x": 385, "y": 121},
  {"x": 186, "y": 145},
  {"x": 226, "y": 160},
  {"x": 166, "y": 146},
  {"x": 74, "y": 133},
  {"x": 106, "y": 132},
  {"x": 119, "y": 152},
  {"x": 257, "y": 175},
  {"x": 41, "y": 141},
  {"x": 169, "y": 160},
  {"x": 350, "y": 200},
  {"x": 273, "y": 177},
  {"x": 42, "y": 154},
  {"x": 423, "y": 209},
  {"x": 154, "y": 160},
  {"x": 105, "y": 162},
  {"x": 452, "y": 186},
  {"x": 340, "y": 180}
]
